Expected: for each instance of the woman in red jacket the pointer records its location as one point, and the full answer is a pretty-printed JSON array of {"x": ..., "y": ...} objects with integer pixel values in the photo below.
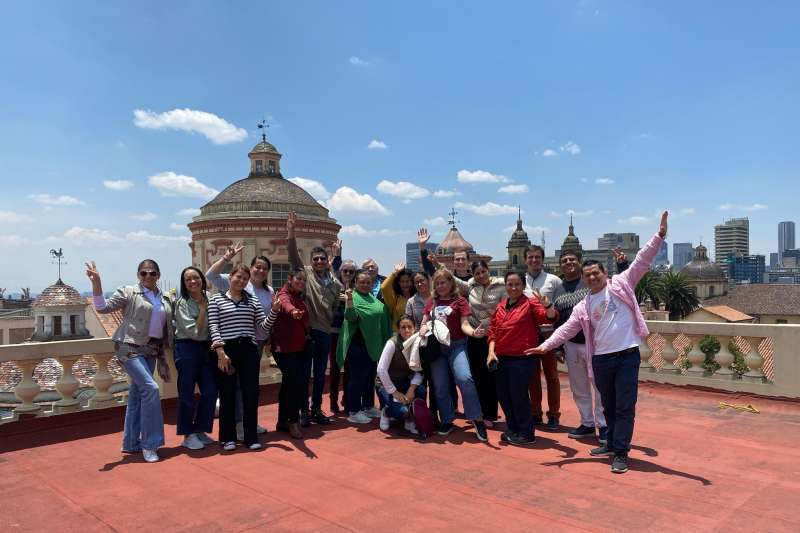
[{"x": 514, "y": 329}]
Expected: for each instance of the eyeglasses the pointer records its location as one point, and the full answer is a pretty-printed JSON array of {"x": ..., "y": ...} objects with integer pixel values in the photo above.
[
  {"x": 319, "y": 259},
  {"x": 348, "y": 271},
  {"x": 145, "y": 273},
  {"x": 421, "y": 281}
]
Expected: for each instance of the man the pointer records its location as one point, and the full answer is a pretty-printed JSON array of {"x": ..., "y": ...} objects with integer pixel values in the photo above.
[
  {"x": 461, "y": 265},
  {"x": 372, "y": 267},
  {"x": 614, "y": 327},
  {"x": 322, "y": 293},
  {"x": 566, "y": 296},
  {"x": 537, "y": 280}
]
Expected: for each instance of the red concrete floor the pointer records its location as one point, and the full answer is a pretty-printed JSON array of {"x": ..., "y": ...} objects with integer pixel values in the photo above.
[{"x": 694, "y": 467}]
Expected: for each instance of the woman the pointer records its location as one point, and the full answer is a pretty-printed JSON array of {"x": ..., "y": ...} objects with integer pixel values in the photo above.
[
  {"x": 346, "y": 272},
  {"x": 415, "y": 307},
  {"x": 364, "y": 333},
  {"x": 292, "y": 352},
  {"x": 452, "y": 312},
  {"x": 484, "y": 293},
  {"x": 194, "y": 361},
  {"x": 140, "y": 340},
  {"x": 397, "y": 289},
  {"x": 399, "y": 385},
  {"x": 233, "y": 319},
  {"x": 515, "y": 328},
  {"x": 260, "y": 267}
]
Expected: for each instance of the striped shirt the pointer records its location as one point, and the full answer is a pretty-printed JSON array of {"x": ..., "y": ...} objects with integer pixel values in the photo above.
[{"x": 228, "y": 320}]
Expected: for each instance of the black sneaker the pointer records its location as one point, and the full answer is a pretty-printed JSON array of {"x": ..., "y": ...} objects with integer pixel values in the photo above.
[
  {"x": 581, "y": 432},
  {"x": 552, "y": 422},
  {"x": 620, "y": 464},
  {"x": 506, "y": 436},
  {"x": 520, "y": 440},
  {"x": 445, "y": 428},
  {"x": 537, "y": 420},
  {"x": 320, "y": 418},
  {"x": 601, "y": 450},
  {"x": 603, "y": 439},
  {"x": 305, "y": 419},
  {"x": 282, "y": 426},
  {"x": 480, "y": 431}
]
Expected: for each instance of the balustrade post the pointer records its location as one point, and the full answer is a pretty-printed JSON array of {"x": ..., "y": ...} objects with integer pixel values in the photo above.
[
  {"x": 27, "y": 389},
  {"x": 754, "y": 362},
  {"x": 66, "y": 386},
  {"x": 725, "y": 358},
  {"x": 695, "y": 356},
  {"x": 669, "y": 355},
  {"x": 102, "y": 381},
  {"x": 646, "y": 353}
]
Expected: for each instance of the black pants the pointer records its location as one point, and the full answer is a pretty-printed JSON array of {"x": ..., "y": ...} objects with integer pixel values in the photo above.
[
  {"x": 246, "y": 362},
  {"x": 513, "y": 375},
  {"x": 361, "y": 384},
  {"x": 616, "y": 376},
  {"x": 477, "y": 351},
  {"x": 292, "y": 394}
]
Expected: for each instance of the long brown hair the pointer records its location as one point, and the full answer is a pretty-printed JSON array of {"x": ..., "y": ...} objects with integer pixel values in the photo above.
[{"x": 444, "y": 273}]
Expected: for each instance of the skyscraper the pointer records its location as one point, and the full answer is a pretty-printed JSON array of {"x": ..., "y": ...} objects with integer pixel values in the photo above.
[
  {"x": 662, "y": 257},
  {"x": 731, "y": 237},
  {"x": 682, "y": 253},
  {"x": 785, "y": 237},
  {"x": 746, "y": 268},
  {"x": 412, "y": 254},
  {"x": 626, "y": 241}
]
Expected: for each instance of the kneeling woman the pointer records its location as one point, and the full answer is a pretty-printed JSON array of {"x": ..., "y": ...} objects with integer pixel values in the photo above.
[
  {"x": 233, "y": 317},
  {"x": 399, "y": 385},
  {"x": 452, "y": 312},
  {"x": 140, "y": 339},
  {"x": 515, "y": 328}
]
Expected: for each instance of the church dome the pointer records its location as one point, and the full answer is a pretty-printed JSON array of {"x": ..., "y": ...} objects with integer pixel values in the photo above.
[
  {"x": 264, "y": 148},
  {"x": 701, "y": 268},
  {"x": 59, "y": 294},
  {"x": 454, "y": 242},
  {"x": 264, "y": 193}
]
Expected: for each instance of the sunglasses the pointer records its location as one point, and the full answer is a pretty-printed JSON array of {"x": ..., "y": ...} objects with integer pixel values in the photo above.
[
  {"x": 348, "y": 271},
  {"x": 145, "y": 273},
  {"x": 319, "y": 259}
]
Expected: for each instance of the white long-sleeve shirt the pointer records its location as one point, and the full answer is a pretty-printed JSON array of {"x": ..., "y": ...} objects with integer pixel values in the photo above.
[{"x": 383, "y": 368}]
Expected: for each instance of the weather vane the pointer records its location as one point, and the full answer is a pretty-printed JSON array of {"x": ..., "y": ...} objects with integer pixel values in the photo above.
[
  {"x": 452, "y": 215},
  {"x": 262, "y": 125},
  {"x": 58, "y": 256}
]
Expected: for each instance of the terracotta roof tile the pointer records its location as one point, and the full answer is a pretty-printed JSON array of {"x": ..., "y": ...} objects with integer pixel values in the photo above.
[
  {"x": 761, "y": 299},
  {"x": 109, "y": 321},
  {"x": 728, "y": 313}
]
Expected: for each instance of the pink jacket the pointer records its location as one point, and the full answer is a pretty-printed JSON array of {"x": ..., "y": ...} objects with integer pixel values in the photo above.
[{"x": 623, "y": 286}]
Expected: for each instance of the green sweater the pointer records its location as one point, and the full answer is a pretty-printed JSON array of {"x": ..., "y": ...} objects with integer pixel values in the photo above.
[{"x": 369, "y": 316}]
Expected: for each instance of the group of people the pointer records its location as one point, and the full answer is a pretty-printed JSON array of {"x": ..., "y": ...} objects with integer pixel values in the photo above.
[{"x": 411, "y": 339}]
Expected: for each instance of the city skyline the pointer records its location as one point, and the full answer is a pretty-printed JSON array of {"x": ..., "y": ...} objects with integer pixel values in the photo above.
[{"x": 391, "y": 120}]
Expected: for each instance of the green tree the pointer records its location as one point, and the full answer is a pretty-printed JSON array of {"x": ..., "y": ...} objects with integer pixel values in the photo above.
[
  {"x": 677, "y": 295},
  {"x": 649, "y": 287}
]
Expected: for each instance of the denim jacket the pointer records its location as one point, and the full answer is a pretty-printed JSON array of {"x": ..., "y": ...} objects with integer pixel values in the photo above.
[{"x": 136, "y": 310}]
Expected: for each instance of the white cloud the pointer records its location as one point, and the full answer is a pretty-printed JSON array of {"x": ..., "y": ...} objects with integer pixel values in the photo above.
[
  {"x": 573, "y": 213},
  {"x": 687, "y": 211},
  {"x": 357, "y": 230},
  {"x": 445, "y": 194},
  {"x": 189, "y": 212},
  {"x": 488, "y": 209},
  {"x": 513, "y": 189},
  {"x": 312, "y": 187},
  {"x": 402, "y": 189},
  {"x": 214, "y": 128},
  {"x": 734, "y": 207},
  {"x": 535, "y": 230},
  {"x": 571, "y": 148},
  {"x": 144, "y": 217},
  {"x": 177, "y": 227},
  {"x": 14, "y": 218},
  {"x": 436, "y": 221},
  {"x": 604, "y": 181},
  {"x": 145, "y": 236},
  {"x": 118, "y": 185},
  {"x": 355, "y": 60},
  {"x": 47, "y": 199},
  {"x": 375, "y": 144},
  {"x": 548, "y": 152},
  {"x": 171, "y": 184},
  {"x": 79, "y": 235},
  {"x": 584, "y": 180},
  {"x": 634, "y": 221},
  {"x": 480, "y": 176},
  {"x": 12, "y": 240},
  {"x": 346, "y": 199}
]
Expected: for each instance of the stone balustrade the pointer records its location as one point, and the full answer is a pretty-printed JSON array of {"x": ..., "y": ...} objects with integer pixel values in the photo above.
[{"x": 28, "y": 392}]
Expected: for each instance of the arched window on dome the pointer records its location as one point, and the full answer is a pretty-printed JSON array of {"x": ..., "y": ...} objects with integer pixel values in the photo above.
[
  {"x": 271, "y": 168},
  {"x": 259, "y": 166},
  {"x": 515, "y": 260}
]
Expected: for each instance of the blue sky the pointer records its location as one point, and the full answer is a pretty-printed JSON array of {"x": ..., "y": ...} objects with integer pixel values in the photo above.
[{"x": 613, "y": 110}]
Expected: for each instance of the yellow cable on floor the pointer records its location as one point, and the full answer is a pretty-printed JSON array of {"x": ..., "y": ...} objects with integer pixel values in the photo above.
[{"x": 749, "y": 407}]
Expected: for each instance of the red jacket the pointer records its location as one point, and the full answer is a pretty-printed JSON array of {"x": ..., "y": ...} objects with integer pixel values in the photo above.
[
  {"x": 289, "y": 334},
  {"x": 516, "y": 329}
]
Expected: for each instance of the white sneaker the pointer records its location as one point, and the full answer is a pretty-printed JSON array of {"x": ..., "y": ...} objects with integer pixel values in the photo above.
[
  {"x": 372, "y": 412},
  {"x": 205, "y": 439},
  {"x": 411, "y": 427},
  {"x": 260, "y": 429},
  {"x": 192, "y": 442},
  {"x": 229, "y": 446},
  {"x": 385, "y": 420},
  {"x": 359, "y": 418},
  {"x": 151, "y": 456},
  {"x": 255, "y": 446},
  {"x": 239, "y": 430}
]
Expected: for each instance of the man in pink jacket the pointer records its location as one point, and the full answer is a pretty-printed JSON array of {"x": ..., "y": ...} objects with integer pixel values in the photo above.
[{"x": 614, "y": 327}]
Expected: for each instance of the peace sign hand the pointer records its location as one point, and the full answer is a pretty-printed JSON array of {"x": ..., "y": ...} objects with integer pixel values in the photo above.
[
  {"x": 619, "y": 255},
  {"x": 92, "y": 273},
  {"x": 231, "y": 251},
  {"x": 336, "y": 248},
  {"x": 543, "y": 299}
]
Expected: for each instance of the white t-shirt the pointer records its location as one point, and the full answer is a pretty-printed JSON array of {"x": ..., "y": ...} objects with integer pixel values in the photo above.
[
  {"x": 545, "y": 283},
  {"x": 613, "y": 324}
]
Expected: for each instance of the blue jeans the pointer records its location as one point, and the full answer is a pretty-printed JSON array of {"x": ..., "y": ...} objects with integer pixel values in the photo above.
[
  {"x": 617, "y": 378},
  {"x": 144, "y": 423},
  {"x": 319, "y": 364},
  {"x": 361, "y": 384},
  {"x": 513, "y": 375},
  {"x": 394, "y": 409},
  {"x": 453, "y": 361},
  {"x": 196, "y": 366}
]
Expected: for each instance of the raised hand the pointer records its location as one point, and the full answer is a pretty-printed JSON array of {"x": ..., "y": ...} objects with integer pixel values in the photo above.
[
  {"x": 619, "y": 255},
  {"x": 423, "y": 237},
  {"x": 543, "y": 299},
  {"x": 291, "y": 221},
  {"x": 662, "y": 228},
  {"x": 399, "y": 266},
  {"x": 434, "y": 260},
  {"x": 231, "y": 251},
  {"x": 92, "y": 273},
  {"x": 336, "y": 248}
]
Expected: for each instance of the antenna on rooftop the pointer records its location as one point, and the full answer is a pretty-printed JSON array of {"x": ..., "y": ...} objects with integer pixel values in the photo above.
[
  {"x": 58, "y": 256},
  {"x": 262, "y": 125}
]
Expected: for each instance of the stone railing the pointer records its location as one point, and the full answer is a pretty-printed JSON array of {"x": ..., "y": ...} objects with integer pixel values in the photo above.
[{"x": 31, "y": 400}]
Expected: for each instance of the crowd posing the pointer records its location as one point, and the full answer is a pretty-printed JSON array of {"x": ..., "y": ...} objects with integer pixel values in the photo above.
[{"x": 416, "y": 341}]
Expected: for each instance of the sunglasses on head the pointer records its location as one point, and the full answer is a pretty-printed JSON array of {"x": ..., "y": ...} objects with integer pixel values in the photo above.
[{"x": 145, "y": 273}]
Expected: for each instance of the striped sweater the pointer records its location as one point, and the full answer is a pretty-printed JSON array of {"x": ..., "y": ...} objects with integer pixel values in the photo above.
[{"x": 228, "y": 320}]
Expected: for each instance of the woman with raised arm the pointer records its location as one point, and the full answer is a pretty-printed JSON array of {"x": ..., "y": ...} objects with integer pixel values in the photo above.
[
  {"x": 447, "y": 317},
  {"x": 194, "y": 361},
  {"x": 140, "y": 339},
  {"x": 397, "y": 289},
  {"x": 364, "y": 333},
  {"x": 514, "y": 328},
  {"x": 260, "y": 267},
  {"x": 346, "y": 272},
  {"x": 233, "y": 318}
]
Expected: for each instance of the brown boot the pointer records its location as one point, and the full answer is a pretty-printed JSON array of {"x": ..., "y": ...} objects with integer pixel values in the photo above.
[{"x": 294, "y": 430}]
